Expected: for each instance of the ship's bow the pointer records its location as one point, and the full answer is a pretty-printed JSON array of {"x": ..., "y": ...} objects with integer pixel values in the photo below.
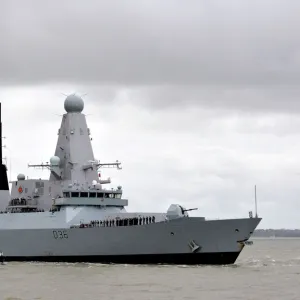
[{"x": 211, "y": 242}]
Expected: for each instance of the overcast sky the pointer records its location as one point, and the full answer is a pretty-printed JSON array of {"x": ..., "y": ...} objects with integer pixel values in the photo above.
[{"x": 198, "y": 99}]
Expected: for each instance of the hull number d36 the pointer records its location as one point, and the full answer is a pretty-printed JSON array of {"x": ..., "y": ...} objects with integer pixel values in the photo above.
[{"x": 60, "y": 234}]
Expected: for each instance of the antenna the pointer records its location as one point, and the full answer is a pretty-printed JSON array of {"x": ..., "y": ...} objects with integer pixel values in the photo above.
[
  {"x": 0, "y": 137},
  {"x": 3, "y": 175},
  {"x": 255, "y": 202}
]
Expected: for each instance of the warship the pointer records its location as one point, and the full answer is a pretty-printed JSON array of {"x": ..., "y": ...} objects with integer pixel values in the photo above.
[{"x": 72, "y": 217}]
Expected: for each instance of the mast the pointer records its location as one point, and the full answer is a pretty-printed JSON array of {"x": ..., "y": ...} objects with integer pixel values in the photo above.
[
  {"x": 255, "y": 201},
  {"x": 0, "y": 136},
  {"x": 73, "y": 159},
  {"x": 3, "y": 170}
]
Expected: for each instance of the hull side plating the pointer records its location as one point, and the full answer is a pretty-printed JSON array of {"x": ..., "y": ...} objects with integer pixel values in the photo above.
[{"x": 219, "y": 241}]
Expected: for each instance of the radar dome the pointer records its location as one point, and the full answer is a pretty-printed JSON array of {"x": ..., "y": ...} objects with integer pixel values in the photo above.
[
  {"x": 54, "y": 161},
  {"x": 74, "y": 104},
  {"x": 21, "y": 177}
]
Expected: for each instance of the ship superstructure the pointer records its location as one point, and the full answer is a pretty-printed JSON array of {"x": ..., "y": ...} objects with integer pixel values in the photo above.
[{"x": 71, "y": 217}]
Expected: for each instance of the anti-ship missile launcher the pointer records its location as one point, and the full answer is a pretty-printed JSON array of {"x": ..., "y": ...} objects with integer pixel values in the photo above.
[{"x": 72, "y": 217}]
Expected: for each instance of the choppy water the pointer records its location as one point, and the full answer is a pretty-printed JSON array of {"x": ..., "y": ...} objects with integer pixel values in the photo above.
[{"x": 269, "y": 269}]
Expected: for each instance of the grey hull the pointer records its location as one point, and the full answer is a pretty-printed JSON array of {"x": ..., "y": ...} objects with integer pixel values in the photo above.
[{"x": 219, "y": 241}]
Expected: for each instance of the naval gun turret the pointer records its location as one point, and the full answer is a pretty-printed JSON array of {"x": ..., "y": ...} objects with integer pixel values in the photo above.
[{"x": 176, "y": 211}]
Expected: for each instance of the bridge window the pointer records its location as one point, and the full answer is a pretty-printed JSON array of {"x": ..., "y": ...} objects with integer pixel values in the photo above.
[
  {"x": 66, "y": 194},
  {"x": 92, "y": 195},
  {"x": 99, "y": 195},
  {"x": 75, "y": 194},
  {"x": 84, "y": 194}
]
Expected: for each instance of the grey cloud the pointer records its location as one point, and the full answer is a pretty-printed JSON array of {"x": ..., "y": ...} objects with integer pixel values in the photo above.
[
  {"x": 150, "y": 42},
  {"x": 219, "y": 98},
  {"x": 217, "y": 101}
]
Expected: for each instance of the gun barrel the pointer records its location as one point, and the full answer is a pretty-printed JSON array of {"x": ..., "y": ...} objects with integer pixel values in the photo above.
[{"x": 190, "y": 209}]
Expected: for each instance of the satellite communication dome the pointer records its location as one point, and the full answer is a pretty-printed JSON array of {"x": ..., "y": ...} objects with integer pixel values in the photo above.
[
  {"x": 54, "y": 161},
  {"x": 74, "y": 104},
  {"x": 21, "y": 177}
]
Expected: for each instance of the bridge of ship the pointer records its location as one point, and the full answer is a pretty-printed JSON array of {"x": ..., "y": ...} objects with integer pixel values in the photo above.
[
  {"x": 91, "y": 198},
  {"x": 117, "y": 194}
]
